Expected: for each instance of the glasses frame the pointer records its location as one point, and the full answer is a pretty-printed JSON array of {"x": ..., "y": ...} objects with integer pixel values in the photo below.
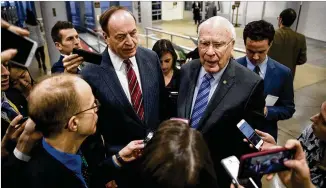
[
  {"x": 97, "y": 105},
  {"x": 219, "y": 49}
]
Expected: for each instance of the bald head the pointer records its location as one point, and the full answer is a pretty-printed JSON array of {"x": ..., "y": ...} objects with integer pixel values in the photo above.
[
  {"x": 220, "y": 24},
  {"x": 115, "y": 15},
  {"x": 54, "y": 100}
]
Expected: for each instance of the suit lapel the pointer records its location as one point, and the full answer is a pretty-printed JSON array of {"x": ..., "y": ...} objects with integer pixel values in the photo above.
[
  {"x": 112, "y": 81},
  {"x": 221, "y": 90},
  {"x": 269, "y": 74},
  {"x": 193, "y": 76},
  {"x": 145, "y": 78}
]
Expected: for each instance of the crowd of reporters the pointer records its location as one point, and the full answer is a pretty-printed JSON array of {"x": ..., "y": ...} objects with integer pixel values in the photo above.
[{"x": 86, "y": 125}]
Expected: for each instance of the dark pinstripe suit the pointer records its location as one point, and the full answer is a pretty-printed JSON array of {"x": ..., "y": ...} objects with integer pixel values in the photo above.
[{"x": 118, "y": 122}]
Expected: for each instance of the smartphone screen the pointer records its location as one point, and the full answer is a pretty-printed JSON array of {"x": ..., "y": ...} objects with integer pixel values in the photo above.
[
  {"x": 250, "y": 134},
  {"x": 267, "y": 163},
  {"x": 25, "y": 47}
]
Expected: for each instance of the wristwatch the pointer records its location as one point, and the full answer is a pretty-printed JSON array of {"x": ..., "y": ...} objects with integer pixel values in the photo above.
[{"x": 119, "y": 159}]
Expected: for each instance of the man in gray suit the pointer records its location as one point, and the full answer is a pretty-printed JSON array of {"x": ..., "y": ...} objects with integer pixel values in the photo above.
[
  {"x": 216, "y": 93},
  {"x": 129, "y": 85},
  {"x": 289, "y": 47}
]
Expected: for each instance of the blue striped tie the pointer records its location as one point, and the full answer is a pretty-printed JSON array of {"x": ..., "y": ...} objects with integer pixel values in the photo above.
[{"x": 201, "y": 100}]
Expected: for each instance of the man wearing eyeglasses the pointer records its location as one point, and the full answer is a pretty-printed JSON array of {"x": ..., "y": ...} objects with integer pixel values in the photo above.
[
  {"x": 278, "y": 81},
  {"x": 216, "y": 93},
  {"x": 64, "y": 110}
]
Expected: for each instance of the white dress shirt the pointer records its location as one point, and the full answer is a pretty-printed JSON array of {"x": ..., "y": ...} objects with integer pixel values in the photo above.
[
  {"x": 262, "y": 66},
  {"x": 214, "y": 83},
  {"x": 121, "y": 71}
]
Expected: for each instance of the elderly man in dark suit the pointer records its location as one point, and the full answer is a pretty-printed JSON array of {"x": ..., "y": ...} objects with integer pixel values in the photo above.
[
  {"x": 289, "y": 47},
  {"x": 130, "y": 86},
  {"x": 216, "y": 93},
  {"x": 278, "y": 81}
]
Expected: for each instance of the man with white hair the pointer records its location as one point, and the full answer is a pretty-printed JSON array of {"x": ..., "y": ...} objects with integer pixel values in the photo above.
[{"x": 216, "y": 93}]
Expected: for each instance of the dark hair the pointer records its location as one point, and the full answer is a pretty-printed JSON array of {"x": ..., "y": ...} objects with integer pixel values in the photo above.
[
  {"x": 177, "y": 156},
  {"x": 17, "y": 66},
  {"x": 105, "y": 17},
  {"x": 60, "y": 25},
  {"x": 288, "y": 16},
  {"x": 52, "y": 102},
  {"x": 30, "y": 18},
  {"x": 259, "y": 30},
  {"x": 163, "y": 46}
]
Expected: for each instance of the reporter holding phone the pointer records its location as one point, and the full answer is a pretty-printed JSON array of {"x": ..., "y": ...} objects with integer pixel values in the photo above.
[
  {"x": 65, "y": 38},
  {"x": 66, "y": 117},
  {"x": 9, "y": 108},
  {"x": 299, "y": 174}
]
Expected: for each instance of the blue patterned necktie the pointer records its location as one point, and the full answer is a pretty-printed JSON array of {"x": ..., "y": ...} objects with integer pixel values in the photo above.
[{"x": 201, "y": 100}]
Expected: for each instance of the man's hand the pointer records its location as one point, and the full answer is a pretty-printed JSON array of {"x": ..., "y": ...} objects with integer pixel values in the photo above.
[
  {"x": 131, "y": 152},
  {"x": 12, "y": 134},
  {"x": 269, "y": 141},
  {"x": 7, "y": 55},
  {"x": 299, "y": 174},
  {"x": 28, "y": 138},
  {"x": 265, "y": 111},
  {"x": 72, "y": 62},
  {"x": 18, "y": 30}
]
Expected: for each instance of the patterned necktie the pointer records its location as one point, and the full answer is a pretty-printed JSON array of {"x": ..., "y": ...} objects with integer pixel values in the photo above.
[
  {"x": 134, "y": 89},
  {"x": 84, "y": 169},
  {"x": 257, "y": 70},
  {"x": 201, "y": 100}
]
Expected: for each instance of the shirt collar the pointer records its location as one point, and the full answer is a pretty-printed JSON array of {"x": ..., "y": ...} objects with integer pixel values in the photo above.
[
  {"x": 217, "y": 76},
  {"x": 72, "y": 161},
  {"x": 262, "y": 66},
  {"x": 118, "y": 61}
]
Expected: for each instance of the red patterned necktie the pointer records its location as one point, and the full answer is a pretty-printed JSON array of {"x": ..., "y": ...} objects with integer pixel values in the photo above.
[{"x": 134, "y": 90}]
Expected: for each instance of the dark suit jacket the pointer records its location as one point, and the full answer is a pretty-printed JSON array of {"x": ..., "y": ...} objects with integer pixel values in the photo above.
[
  {"x": 43, "y": 170},
  {"x": 289, "y": 48},
  {"x": 278, "y": 82},
  {"x": 240, "y": 97},
  {"x": 58, "y": 66},
  {"x": 118, "y": 122}
]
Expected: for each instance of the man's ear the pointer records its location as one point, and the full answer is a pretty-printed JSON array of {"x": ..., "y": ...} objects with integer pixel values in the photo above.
[
  {"x": 58, "y": 46},
  {"x": 73, "y": 124}
]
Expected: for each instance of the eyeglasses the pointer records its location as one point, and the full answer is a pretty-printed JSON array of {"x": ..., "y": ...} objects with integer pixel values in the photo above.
[
  {"x": 217, "y": 46},
  {"x": 97, "y": 105}
]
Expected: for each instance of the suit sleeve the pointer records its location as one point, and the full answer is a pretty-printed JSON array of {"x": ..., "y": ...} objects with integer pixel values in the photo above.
[
  {"x": 255, "y": 106},
  {"x": 11, "y": 168},
  {"x": 103, "y": 173},
  {"x": 284, "y": 107},
  {"x": 302, "y": 58}
]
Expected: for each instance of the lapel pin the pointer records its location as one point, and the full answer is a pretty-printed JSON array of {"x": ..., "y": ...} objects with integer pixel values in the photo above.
[{"x": 224, "y": 82}]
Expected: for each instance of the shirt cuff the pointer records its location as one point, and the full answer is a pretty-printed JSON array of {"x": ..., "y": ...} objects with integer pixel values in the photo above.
[
  {"x": 19, "y": 155},
  {"x": 115, "y": 164}
]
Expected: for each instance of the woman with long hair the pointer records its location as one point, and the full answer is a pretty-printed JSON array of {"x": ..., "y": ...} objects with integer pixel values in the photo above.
[{"x": 36, "y": 35}]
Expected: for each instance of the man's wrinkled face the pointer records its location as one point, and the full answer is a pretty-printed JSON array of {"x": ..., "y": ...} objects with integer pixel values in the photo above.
[
  {"x": 69, "y": 41},
  {"x": 256, "y": 51},
  {"x": 215, "y": 47},
  {"x": 122, "y": 38}
]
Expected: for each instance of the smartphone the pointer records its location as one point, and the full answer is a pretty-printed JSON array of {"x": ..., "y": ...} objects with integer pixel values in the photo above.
[
  {"x": 264, "y": 162},
  {"x": 22, "y": 121},
  {"x": 148, "y": 138},
  {"x": 231, "y": 165},
  {"x": 250, "y": 134},
  {"x": 25, "y": 46},
  {"x": 89, "y": 57}
]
